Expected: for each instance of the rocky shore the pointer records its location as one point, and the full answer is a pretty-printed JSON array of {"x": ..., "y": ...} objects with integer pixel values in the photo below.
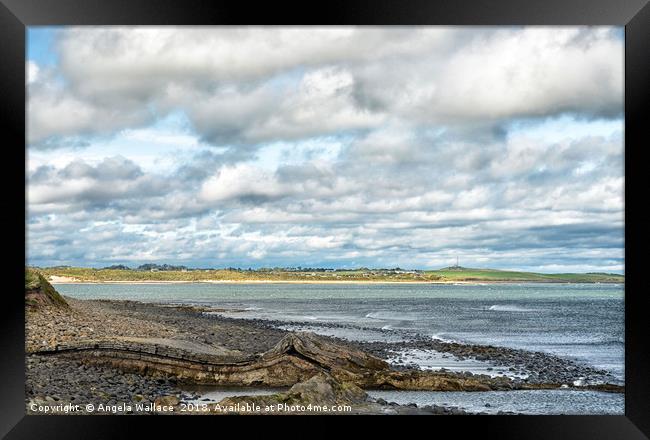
[
  {"x": 60, "y": 384},
  {"x": 137, "y": 358},
  {"x": 535, "y": 367}
]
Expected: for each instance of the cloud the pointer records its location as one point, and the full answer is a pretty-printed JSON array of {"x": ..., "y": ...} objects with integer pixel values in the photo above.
[
  {"x": 241, "y": 182},
  {"x": 375, "y": 212},
  {"x": 254, "y": 85},
  {"x": 32, "y": 72},
  {"x": 56, "y": 118},
  {"x": 328, "y": 146},
  {"x": 114, "y": 178}
]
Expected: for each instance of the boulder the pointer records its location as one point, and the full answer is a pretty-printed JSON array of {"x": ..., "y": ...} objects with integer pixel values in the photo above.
[
  {"x": 319, "y": 390},
  {"x": 167, "y": 401},
  {"x": 325, "y": 389},
  {"x": 326, "y": 354}
]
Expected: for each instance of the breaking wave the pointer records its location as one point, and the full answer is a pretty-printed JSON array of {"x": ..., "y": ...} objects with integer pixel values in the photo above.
[{"x": 502, "y": 308}]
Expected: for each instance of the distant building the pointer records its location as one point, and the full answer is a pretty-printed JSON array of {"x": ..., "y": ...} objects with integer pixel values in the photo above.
[{"x": 457, "y": 266}]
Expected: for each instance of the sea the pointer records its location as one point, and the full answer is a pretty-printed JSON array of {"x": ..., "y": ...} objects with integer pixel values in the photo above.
[{"x": 581, "y": 322}]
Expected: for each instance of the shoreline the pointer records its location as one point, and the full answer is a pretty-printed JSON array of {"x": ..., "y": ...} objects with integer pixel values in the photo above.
[
  {"x": 68, "y": 280},
  {"x": 54, "y": 376}
]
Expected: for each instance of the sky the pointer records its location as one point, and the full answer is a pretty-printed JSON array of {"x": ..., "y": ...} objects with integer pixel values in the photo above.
[{"x": 333, "y": 147}]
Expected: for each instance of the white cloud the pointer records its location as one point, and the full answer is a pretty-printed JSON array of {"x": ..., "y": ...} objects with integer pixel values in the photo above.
[
  {"x": 241, "y": 181},
  {"x": 32, "y": 70},
  {"x": 534, "y": 72},
  {"x": 263, "y": 84},
  {"x": 347, "y": 146}
]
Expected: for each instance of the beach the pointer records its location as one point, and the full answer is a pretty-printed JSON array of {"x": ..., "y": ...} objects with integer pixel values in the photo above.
[
  {"x": 71, "y": 280},
  {"x": 59, "y": 370}
]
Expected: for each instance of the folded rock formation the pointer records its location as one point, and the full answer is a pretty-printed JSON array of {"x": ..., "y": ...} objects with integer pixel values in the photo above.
[{"x": 296, "y": 358}]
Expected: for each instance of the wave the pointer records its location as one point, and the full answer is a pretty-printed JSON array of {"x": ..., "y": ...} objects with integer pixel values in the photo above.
[
  {"x": 381, "y": 315},
  {"x": 604, "y": 341},
  {"x": 390, "y": 316},
  {"x": 439, "y": 337},
  {"x": 614, "y": 340},
  {"x": 503, "y": 308},
  {"x": 595, "y": 341}
]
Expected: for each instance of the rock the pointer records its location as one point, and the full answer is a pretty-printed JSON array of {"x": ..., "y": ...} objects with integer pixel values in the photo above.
[
  {"x": 323, "y": 352},
  {"x": 325, "y": 389},
  {"x": 321, "y": 389},
  {"x": 167, "y": 401}
]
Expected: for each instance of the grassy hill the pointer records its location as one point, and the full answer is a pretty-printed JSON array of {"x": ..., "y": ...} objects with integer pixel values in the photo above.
[
  {"x": 467, "y": 274},
  {"x": 392, "y": 275},
  {"x": 39, "y": 291}
]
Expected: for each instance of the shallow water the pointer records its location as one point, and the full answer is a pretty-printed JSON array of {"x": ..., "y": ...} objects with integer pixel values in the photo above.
[
  {"x": 578, "y": 321},
  {"x": 433, "y": 360}
]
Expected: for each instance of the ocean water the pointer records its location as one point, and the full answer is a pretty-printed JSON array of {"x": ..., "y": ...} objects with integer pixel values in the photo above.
[{"x": 582, "y": 322}]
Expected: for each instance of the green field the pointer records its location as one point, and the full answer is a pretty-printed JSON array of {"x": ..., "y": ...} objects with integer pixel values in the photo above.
[
  {"x": 465, "y": 274},
  {"x": 448, "y": 274}
]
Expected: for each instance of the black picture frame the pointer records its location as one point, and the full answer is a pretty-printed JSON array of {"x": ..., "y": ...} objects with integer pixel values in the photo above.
[{"x": 16, "y": 15}]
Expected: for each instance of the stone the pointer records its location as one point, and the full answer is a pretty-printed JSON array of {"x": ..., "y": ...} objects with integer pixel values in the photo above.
[
  {"x": 321, "y": 389},
  {"x": 167, "y": 401}
]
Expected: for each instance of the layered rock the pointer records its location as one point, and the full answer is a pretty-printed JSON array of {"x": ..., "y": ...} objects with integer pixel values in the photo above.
[{"x": 296, "y": 358}]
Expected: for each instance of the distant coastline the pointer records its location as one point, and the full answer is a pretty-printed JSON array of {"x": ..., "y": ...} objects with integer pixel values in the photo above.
[
  {"x": 361, "y": 276},
  {"x": 65, "y": 280}
]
